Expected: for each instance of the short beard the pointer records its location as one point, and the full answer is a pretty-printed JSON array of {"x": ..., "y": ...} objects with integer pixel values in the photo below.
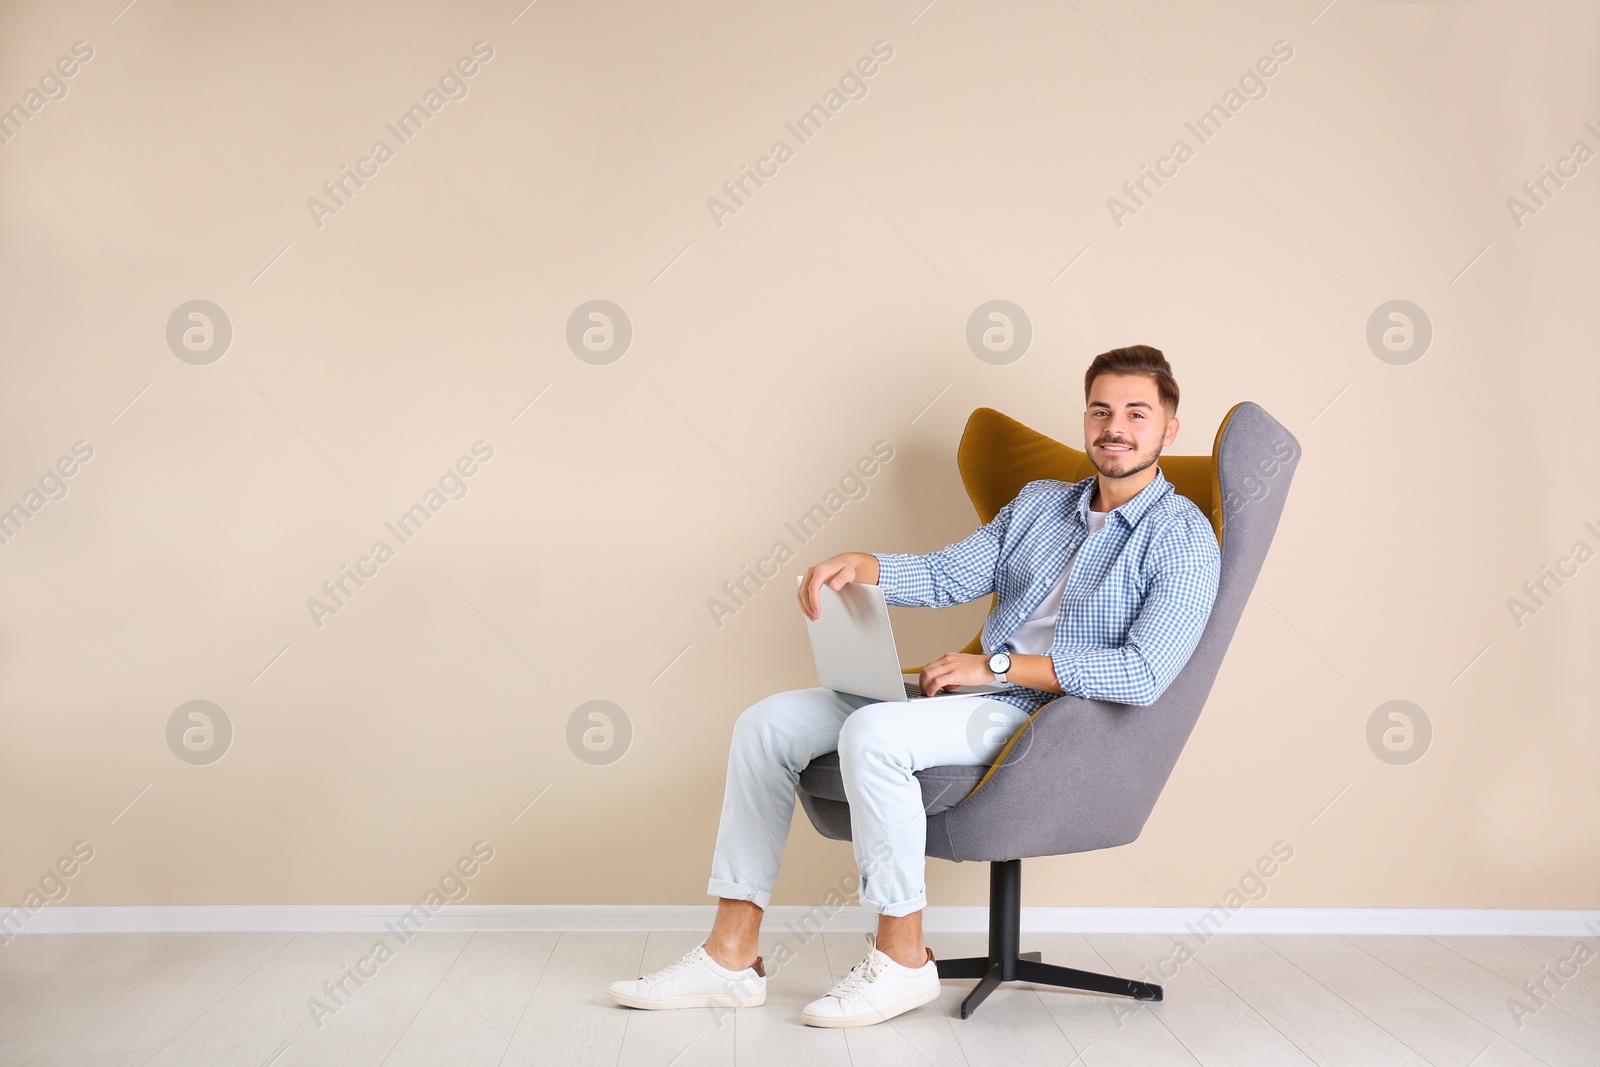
[{"x": 1130, "y": 472}]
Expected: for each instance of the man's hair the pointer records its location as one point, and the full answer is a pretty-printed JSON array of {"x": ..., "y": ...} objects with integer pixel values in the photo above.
[{"x": 1136, "y": 359}]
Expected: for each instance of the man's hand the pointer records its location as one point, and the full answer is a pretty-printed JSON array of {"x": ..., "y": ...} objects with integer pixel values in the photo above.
[
  {"x": 953, "y": 669},
  {"x": 835, "y": 571},
  {"x": 964, "y": 668}
]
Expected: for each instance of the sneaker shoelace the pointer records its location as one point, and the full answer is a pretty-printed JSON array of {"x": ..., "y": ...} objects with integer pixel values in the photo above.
[
  {"x": 689, "y": 959},
  {"x": 861, "y": 975}
]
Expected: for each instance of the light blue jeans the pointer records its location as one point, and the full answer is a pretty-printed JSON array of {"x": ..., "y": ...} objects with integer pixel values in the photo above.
[{"x": 880, "y": 745}]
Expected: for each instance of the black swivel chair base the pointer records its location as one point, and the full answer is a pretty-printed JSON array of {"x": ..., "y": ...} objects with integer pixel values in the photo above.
[{"x": 1005, "y": 964}]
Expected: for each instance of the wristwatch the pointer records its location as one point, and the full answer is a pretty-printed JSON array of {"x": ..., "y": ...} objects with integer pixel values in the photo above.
[{"x": 999, "y": 664}]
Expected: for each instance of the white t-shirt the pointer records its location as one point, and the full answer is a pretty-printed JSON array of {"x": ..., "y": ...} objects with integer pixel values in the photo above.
[{"x": 1038, "y": 631}]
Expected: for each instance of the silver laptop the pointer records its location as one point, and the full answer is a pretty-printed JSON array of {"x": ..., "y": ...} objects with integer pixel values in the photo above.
[{"x": 853, "y": 644}]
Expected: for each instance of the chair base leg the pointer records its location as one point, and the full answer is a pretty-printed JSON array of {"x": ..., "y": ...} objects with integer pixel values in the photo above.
[
  {"x": 988, "y": 984},
  {"x": 970, "y": 967},
  {"x": 1005, "y": 964},
  {"x": 1028, "y": 968},
  {"x": 1069, "y": 978}
]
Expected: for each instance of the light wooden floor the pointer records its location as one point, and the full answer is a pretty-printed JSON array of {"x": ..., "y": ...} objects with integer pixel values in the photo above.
[{"x": 539, "y": 998}]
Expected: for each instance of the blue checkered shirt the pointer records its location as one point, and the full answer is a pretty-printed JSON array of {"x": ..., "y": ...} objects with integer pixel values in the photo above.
[{"x": 1135, "y": 604}]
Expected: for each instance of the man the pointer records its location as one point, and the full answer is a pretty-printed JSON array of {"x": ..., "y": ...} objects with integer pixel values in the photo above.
[{"x": 1104, "y": 587}]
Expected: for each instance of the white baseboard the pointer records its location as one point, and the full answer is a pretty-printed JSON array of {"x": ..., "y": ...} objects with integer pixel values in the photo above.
[{"x": 849, "y": 918}]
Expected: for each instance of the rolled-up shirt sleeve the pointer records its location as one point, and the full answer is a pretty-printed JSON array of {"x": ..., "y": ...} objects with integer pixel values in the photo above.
[
  {"x": 956, "y": 574},
  {"x": 1164, "y": 633}
]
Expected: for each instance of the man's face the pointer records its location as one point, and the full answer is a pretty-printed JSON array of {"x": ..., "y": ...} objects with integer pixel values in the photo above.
[{"x": 1124, "y": 426}]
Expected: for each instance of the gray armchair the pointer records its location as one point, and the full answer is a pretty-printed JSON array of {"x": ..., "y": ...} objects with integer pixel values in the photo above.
[{"x": 1082, "y": 774}]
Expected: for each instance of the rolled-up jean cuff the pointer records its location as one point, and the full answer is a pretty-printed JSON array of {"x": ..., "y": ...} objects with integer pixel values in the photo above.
[
  {"x": 896, "y": 911},
  {"x": 733, "y": 891}
]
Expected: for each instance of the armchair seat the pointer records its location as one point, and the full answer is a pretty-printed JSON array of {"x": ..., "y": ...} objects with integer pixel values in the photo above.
[{"x": 942, "y": 787}]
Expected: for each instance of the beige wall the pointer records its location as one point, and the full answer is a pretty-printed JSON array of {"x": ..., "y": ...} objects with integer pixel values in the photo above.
[{"x": 772, "y": 347}]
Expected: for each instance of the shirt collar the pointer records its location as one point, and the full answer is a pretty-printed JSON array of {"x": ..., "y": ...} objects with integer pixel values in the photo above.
[{"x": 1132, "y": 510}]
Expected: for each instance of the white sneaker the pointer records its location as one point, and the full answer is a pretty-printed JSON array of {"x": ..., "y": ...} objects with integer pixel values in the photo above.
[
  {"x": 694, "y": 981},
  {"x": 876, "y": 989}
]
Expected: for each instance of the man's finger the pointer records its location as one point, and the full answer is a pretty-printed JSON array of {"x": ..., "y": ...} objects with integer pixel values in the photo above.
[{"x": 813, "y": 591}]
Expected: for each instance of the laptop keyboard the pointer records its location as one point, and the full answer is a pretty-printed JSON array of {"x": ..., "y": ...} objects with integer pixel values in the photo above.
[{"x": 913, "y": 690}]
